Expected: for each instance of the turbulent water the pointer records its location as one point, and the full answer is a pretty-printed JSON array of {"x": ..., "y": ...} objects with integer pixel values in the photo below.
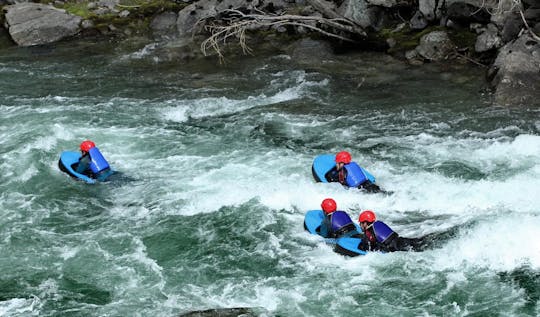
[{"x": 214, "y": 178}]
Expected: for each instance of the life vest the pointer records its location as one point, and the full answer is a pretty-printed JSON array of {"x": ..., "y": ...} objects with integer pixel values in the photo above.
[
  {"x": 339, "y": 219},
  {"x": 382, "y": 231},
  {"x": 98, "y": 163},
  {"x": 337, "y": 224},
  {"x": 355, "y": 175}
]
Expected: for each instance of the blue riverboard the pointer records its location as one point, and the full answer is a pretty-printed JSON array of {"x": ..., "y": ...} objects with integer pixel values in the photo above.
[
  {"x": 370, "y": 177},
  {"x": 321, "y": 165},
  {"x": 345, "y": 245},
  {"x": 67, "y": 160},
  {"x": 325, "y": 162},
  {"x": 313, "y": 220},
  {"x": 349, "y": 246}
]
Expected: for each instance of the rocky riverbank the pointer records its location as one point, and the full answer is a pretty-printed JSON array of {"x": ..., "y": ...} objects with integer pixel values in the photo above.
[{"x": 498, "y": 35}]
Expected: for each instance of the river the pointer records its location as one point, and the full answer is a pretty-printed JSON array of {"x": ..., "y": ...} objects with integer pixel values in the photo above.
[{"x": 214, "y": 178}]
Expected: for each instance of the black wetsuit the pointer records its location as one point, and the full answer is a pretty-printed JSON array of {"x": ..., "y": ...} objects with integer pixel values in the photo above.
[
  {"x": 335, "y": 176},
  {"x": 392, "y": 243},
  {"x": 83, "y": 167},
  {"x": 369, "y": 242},
  {"x": 340, "y": 176}
]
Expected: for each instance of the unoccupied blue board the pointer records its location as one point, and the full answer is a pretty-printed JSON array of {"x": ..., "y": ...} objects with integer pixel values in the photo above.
[
  {"x": 313, "y": 220},
  {"x": 69, "y": 158},
  {"x": 322, "y": 164}
]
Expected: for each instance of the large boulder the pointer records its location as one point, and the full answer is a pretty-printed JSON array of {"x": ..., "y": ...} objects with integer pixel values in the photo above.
[
  {"x": 515, "y": 74},
  {"x": 188, "y": 17},
  {"x": 35, "y": 24}
]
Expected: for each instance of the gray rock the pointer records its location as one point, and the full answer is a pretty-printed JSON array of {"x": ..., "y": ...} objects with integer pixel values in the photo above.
[
  {"x": 233, "y": 4},
  {"x": 474, "y": 10},
  {"x": 110, "y": 4},
  {"x": 383, "y": 3},
  {"x": 536, "y": 28},
  {"x": 435, "y": 46},
  {"x": 123, "y": 13},
  {"x": 489, "y": 4},
  {"x": 532, "y": 3},
  {"x": 102, "y": 11},
  {"x": 273, "y": 6},
  {"x": 532, "y": 14},
  {"x": 190, "y": 15},
  {"x": 504, "y": 10},
  {"x": 418, "y": 22},
  {"x": 428, "y": 9},
  {"x": 15, "y": 1},
  {"x": 488, "y": 40},
  {"x": 164, "y": 24},
  {"x": 357, "y": 11},
  {"x": 511, "y": 28},
  {"x": 412, "y": 54},
  {"x": 517, "y": 73},
  {"x": 465, "y": 14},
  {"x": 35, "y": 24},
  {"x": 87, "y": 24},
  {"x": 476, "y": 28}
]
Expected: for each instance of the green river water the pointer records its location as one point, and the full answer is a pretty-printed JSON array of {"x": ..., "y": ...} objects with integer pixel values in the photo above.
[{"x": 214, "y": 179}]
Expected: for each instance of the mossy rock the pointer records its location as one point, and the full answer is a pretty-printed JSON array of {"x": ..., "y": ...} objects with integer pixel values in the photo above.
[
  {"x": 406, "y": 38},
  {"x": 463, "y": 38},
  {"x": 152, "y": 7},
  {"x": 79, "y": 9},
  {"x": 138, "y": 9}
]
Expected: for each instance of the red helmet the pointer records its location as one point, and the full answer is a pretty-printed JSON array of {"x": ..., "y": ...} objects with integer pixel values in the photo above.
[
  {"x": 343, "y": 157},
  {"x": 328, "y": 205},
  {"x": 87, "y": 145},
  {"x": 367, "y": 216}
]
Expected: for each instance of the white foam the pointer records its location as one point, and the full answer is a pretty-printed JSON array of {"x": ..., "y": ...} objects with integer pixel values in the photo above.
[
  {"x": 144, "y": 52},
  {"x": 67, "y": 252},
  {"x": 216, "y": 106},
  {"x": 504, "y": 244},
  {"x": 208, "y": 107},
  {"x": 19, "y": 307}
]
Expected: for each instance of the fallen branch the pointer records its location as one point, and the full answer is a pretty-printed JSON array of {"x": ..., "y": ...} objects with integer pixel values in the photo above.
[
  {"x": 234, "y": 23},
  {"x": 469, "y": 59},
  {"x": 536, "y": 37}
]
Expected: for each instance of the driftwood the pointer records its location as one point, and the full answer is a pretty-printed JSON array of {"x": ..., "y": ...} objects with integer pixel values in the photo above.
[
  {"x": 498, "y": 7},
  {"x": 533, "y": 35},
  {"x": 234, "y": 23}
]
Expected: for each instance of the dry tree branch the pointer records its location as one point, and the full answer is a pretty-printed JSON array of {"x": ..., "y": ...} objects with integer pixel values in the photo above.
[
  {"x": 236, "y": 23},
  {"x": 498, "y": 8},
  {"x": 469, "y": 59},
  {"x": 536, "y": 37}
]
